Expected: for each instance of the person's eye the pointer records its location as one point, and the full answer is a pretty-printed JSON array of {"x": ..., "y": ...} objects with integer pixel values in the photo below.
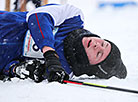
[
  {"x": 99, "y": 54},
  {"x": 106, "y": 44},
  {"x": 102, "y": 44}
]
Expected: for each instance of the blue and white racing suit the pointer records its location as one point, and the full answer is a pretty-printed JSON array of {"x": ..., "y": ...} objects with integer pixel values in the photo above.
[{"x": 40, "y": 23}]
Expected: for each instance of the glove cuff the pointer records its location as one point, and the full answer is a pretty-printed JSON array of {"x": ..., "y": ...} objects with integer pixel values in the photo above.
[
  {"x": 51, "y": 58},
  {"x": 50, "y": 53}
]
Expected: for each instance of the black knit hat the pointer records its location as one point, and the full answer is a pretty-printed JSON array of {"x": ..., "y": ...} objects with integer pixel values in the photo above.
[
  {"x": 112, "y": 65},
  {"x": 79, "y": 63}
]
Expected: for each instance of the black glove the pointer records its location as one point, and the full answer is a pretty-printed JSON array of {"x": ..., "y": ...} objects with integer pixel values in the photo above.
[
  {"x": 54, "y": 70},
  {"x": 20, "y": 70},
  {"x": 30, "y": 68}
]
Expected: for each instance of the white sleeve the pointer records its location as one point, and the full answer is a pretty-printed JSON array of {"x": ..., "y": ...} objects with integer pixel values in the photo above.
[{"x": 59, "y": 13}]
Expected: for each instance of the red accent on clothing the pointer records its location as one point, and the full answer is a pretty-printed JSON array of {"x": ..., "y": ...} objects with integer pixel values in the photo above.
[
  {"x": 39, "y": 25},
  {"x": 29, "y": 43}
]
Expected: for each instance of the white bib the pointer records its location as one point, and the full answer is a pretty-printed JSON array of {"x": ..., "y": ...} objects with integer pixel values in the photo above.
[{"x": 30, "y": 49}]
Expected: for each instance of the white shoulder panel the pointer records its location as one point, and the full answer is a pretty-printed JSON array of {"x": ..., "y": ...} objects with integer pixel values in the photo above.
[{"x": 59, "y": 12}]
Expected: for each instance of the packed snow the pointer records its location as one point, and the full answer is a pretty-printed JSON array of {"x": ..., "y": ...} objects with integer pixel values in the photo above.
[{"x": 120, "y": 25}]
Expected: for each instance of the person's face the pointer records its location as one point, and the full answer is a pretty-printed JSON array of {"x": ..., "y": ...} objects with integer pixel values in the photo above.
[{"x": 96, "y": 49}]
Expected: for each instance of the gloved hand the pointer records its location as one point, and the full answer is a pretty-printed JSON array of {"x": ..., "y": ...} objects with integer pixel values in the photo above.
[
  {"x": 57, "y": 74},
  {"x": 20, "y": 70},
  {"x": 34, "y": 69},
  {"x": 54, "y": 70},
  {"x": 29, "y": 68}
]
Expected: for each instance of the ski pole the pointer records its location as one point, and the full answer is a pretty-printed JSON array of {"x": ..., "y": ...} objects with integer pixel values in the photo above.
[{"x": 100, "y": 86}]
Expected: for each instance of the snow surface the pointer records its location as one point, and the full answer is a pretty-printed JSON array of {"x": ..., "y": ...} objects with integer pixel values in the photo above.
[{"x": 120, "y": 25}]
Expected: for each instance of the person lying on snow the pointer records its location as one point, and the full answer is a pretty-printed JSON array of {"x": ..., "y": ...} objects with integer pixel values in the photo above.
[{"x": 61, "y": 47}]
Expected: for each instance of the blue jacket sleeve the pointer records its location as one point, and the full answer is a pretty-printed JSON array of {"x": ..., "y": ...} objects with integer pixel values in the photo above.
[
  {"x": 8, "y": 70},
  {"x": 41, "y": 26}
]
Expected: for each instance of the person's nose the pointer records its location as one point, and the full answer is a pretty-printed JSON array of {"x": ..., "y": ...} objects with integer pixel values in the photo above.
[{"x": 97, "y": 45}]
